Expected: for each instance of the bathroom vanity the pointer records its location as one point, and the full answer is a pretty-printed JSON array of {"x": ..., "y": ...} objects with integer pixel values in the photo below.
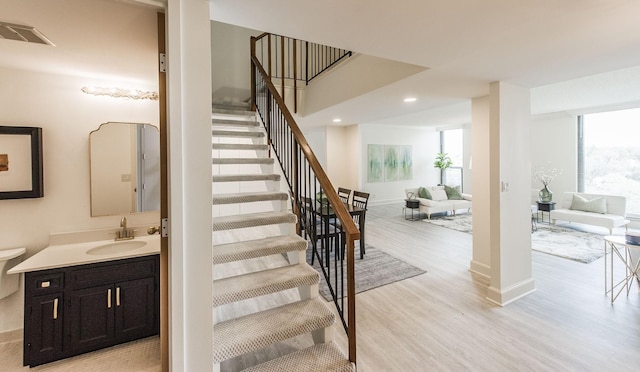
[{"x": 89, "y": 296}]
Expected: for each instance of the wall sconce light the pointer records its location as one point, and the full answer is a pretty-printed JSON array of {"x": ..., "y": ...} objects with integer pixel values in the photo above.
[{"x": 120, "y": 93}]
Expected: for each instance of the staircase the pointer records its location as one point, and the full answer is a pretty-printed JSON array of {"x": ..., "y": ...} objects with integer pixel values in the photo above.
[{"x": 251, "y": 216}]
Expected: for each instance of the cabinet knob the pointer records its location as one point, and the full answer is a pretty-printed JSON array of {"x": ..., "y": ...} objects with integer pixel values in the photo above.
[{"x": 109, "y": 298}]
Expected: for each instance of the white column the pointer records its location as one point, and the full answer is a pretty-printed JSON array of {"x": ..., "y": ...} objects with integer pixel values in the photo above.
[
  {"x": 484, "y": 181},
  {"x": 510, "y": 183},
  {"x": 190, "y": 169}
]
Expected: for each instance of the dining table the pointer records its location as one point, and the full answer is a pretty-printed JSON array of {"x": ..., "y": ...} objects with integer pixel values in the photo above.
[{"x": 328, "y": 214}]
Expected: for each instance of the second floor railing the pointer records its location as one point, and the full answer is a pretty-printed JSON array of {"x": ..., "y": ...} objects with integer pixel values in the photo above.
[
  {"x": 296, "y": 60},
  {"x": 323, "y": 218}
]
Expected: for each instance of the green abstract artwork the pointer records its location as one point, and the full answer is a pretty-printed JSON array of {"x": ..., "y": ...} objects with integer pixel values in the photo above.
[
  {"x": 375, "y": 170},
  {"x": 388, "y": 163},
  {"x": 391, "y": 163},
  {"x": 405, "y": 163}
]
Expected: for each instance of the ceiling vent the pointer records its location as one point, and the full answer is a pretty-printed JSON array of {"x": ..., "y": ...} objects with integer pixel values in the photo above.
[{"x": 29, "y": 34}]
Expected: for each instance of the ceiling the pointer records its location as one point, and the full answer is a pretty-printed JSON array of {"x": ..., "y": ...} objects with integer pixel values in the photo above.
[
  {"x": 465, "y": 45},
  {"x": 87, "y": 37}
]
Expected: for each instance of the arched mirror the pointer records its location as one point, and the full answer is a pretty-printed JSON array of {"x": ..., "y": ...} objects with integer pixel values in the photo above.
[{"x": 125, "y": 169}]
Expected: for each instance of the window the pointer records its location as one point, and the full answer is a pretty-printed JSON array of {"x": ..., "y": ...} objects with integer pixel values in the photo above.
[
  {"x": 451, "y": 144},
  {"x": 609, "y": 155}
]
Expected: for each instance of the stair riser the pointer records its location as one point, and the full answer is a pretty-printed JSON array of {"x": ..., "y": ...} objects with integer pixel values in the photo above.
[
  {"x": 230, "y": 169},
  {"x": 245, "y": 186},
  {"x": 245, "y": 208},
  {"x": 223, "y": 156}
]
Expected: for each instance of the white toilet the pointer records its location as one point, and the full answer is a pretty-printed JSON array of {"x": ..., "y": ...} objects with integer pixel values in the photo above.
[{"x": 9, "y": 258}]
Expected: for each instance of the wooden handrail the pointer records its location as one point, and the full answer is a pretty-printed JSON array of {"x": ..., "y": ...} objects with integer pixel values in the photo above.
[
  {"x": 334, "y": 199},
  {"x": 350, "y": 230}
]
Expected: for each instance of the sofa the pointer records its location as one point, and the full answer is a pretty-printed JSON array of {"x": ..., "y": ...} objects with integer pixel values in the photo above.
[
  {"x": 606, "y": 211},
  {"x": 439, "y": 199}
]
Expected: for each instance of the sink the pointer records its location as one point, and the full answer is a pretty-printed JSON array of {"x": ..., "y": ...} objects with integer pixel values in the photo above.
[{"x": 116, "y": 247}]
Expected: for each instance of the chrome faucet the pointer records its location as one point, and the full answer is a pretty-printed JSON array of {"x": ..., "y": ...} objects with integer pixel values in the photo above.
[{"x": 124, "y": 233}]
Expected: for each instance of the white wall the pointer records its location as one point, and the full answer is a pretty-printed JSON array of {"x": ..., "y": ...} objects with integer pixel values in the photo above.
[
  {"x": 425, "y": 143},
  {"x": 317, "y": 139},
  {"x": 230, "y": 53},
  {"x": 339, "y": 163},
  {"x": 554, "y": 142},
  {"x": 55, "y": 103}
]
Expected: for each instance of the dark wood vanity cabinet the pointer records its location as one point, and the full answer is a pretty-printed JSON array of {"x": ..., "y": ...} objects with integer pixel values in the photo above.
[{"x": 78, "y": 309}]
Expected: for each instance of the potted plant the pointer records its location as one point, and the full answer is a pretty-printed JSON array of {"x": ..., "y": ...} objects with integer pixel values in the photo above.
[{"x": 443, "y": 161}]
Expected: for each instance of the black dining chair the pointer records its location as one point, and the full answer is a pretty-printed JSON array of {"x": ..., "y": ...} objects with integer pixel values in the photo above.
[
  {"x": 316, "y": 229},
  {"x": 344, "y": 194},
  {"x": 360, "y": 199}
]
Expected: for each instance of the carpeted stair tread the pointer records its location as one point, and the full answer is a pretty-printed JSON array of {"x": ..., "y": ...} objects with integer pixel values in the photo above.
[
  {"x": 258, "y": 330},
  {"x": 257, "y": 248},
  {"x": 246, "y": 177},
  {"x": 252, "y": 220},
  {"x": 317, "y": 358},
  {"x": 239, "y": 134},
  {"x": 249, "y": 197},
  {"x": 260, "y": 283},
  {"x": 242, "y": 161},
  {"x": 234, "y": 123},
  {"x": 239, "y": 146}
]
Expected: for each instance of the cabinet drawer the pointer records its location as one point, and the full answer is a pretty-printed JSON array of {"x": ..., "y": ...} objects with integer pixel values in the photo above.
[
  {"x": 105, "y": 273},
  {"x": 45, "y": 282}
]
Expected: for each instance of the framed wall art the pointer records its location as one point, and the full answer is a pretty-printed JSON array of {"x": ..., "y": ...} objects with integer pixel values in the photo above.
[{"x": 21, "y": 171}]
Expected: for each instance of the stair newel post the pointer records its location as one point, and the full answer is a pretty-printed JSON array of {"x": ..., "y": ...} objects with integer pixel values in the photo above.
[
  {"x": 295, "y": 180},
  {"x": 268, "y": 123},
  {"x": 269, "y": 55},
  {"x": 253, "y": 74},
  {"x": 351, "y": 296},
  {"x": 283, "y": 66},
  {"x": 295, "y": 77},
  {"x": 306, "y": 62}
]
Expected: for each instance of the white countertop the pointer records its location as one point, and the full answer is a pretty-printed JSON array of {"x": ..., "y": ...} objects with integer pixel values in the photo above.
[{"x": 55, "y": 256}]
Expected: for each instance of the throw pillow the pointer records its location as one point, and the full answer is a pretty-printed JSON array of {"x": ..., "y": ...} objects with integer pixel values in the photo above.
[
  {"x": 424, "y": 193},
  {"x": 438, "y": 195},
  {"x": 453, "y": 193},
  {"x": 595, "y": 205}
]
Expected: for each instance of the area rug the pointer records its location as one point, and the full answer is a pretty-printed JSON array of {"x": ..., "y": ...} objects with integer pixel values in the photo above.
[
  {"x": 555, "y": 240},
  {"x": 374, "y": 270}
]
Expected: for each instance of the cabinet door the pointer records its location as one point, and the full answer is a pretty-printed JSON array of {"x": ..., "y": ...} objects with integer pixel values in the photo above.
[
  {"x": 136, "y": 309},
  {"x": 90, "y": 318},
  {"x": 44, "y": 336}
]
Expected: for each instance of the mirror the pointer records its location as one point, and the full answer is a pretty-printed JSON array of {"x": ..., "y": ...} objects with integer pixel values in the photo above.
[{"x": 125, "y": 169}]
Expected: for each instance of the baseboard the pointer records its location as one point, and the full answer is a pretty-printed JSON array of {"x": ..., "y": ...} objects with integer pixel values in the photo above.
[
  {"x": 511, "y": 294},
  {"x": 10, "y": 336},
  {"x": 480, "y": 268}
]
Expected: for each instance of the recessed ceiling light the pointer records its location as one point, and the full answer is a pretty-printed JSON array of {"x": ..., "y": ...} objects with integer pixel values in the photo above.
[
  {"x": 337, "y": 120},
  {"x": 410, "y": 99}
]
